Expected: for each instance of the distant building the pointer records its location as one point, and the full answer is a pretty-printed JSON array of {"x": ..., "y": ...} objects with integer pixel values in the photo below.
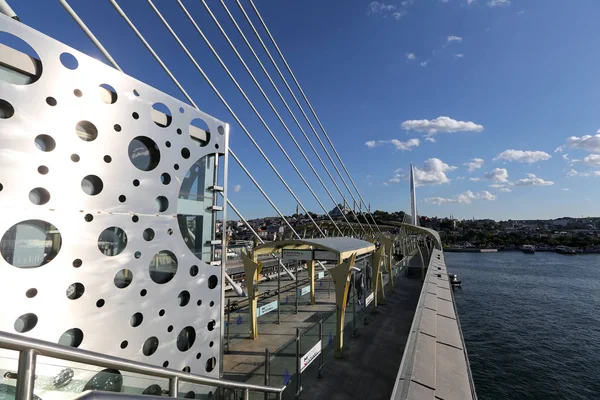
[{"x": 337, "y": 212}]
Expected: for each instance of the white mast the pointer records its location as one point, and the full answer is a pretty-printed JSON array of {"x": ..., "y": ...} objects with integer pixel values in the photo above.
[{"x": 413, "y": 197}]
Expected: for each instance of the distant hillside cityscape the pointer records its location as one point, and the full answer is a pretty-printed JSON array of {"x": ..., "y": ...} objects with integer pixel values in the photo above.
[{"x": 580, "y": 233}]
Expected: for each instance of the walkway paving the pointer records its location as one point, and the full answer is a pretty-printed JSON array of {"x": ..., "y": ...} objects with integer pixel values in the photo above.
[{"x": 370, "y": 362}]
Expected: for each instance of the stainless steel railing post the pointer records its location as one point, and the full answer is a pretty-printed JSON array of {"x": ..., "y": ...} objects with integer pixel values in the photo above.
[
  {"x": 246, "y": 394},
  {"x": 279, "y": 293},
  {"x": 320, "y": 375},
  {"x": 228, "y": 323},
  {"x": 267, "y": 370},
  {"x": 26, "y": 374},
  {"x": 173, "y": 386},
  {"x": 298, "y": 373},
  {"x": 297, "y": 279}
]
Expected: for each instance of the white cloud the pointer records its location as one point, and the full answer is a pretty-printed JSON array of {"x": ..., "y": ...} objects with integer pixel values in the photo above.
[
  {"x": 499, "y": 3},
  {"x": 400, "y": 145},
  {"x": 395, "y": 179},
  {"x": 469, "y": 2},
  {"x": 497, "y": 175},
  {"x": 592, "y": 159},
  {"x": 474, "y": 164},
  {"x": 458, "y": 55},
  {"x": 502, "y": 187},
  {"x": 376, "y": 8},
  {"x": 457, "y": 39},
  {"x": 565, "y": 189},
  {"x": 565, "y": 157},
  {"x": 573, "y": 172},
  {"x": 424, "y": 63},
  {"x": 237, "y": 188},
  {"x": 398, "y": 14},
  {"x": 474, "y": 179},
  {"x": 433, "y": 172},
  {"x": 411, "y": 56},
  {"x": 430, "y": 139},
  {"x": 523, "y": 156},
  {"x": 385, "y": 184},
  {"x": 463, "y": 198},
  {"x": 441, "y": 124},
  {"x": 533, "y": 180},
  {"x": 521, "y": 12},
  {"x": 459, "y": 178},
  {"x": 588, "y": 142}
]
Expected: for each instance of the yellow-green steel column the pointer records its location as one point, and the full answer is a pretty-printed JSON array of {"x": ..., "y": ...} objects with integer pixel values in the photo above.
[
  {"x": 341, "y": 278},
  {"x": 377, "y": 277},
  {"x": 252, "y": 270},
  {"x": 389, "y": 250}
]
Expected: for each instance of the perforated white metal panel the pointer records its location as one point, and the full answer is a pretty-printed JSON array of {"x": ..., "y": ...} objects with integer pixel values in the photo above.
[{"x": 74, "y": 186}]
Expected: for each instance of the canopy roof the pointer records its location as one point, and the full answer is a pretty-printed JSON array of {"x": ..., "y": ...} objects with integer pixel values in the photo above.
[{"x": 343, "y": 246}]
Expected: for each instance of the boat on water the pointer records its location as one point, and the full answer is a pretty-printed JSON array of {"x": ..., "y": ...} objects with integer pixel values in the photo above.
[
  {"x": 528, "y": 249},
  {"x": 566, "y": 250}
]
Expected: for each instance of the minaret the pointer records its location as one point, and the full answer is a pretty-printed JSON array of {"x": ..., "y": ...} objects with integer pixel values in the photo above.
[{"x": 413, "y": 197}]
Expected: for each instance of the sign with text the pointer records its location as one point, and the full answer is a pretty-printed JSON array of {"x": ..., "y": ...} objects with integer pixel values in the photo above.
[
  {"x": 320, "y": 275},
  {"x": 296, "y": 255},
  {"x": 369, "y": 299},
  {"x": 324, "y": 255},
  {"x": 303, "y": 291},
  {"x": 267, "y": 308},
  {"x": 310, "y": 356}
]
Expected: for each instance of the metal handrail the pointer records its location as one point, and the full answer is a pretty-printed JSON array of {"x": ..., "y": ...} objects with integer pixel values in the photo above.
[{"x": 29, "y": 348}]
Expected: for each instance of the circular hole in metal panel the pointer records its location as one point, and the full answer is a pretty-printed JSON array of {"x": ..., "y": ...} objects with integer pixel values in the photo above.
[
  {"x": 77, "y": 93},
  {"x": 163, "y": 267},
  {"x": 88, "y": 218},
  {"x": 30, "y": 244},
  {"x": 211, "y": 363},
  {"x": 165, "y": 364},
  {"x": 161, "y": 313},
  {"x": 112, "y": 241},
  {"x": 107, "y": 380},
  {"x": 86, "y": 131},
  {"x": 161, "y": 115},
  {"x": 153, "y": 390},
  {"x": 51, "y": 101},
  {"x": 194, "y": 270},
  {"x": 143, "y": 292},
  {"x": 107, "y": 93},
  {"x": 221, "y": 130},
  {"x": 185, "y": 153},
  {"x": 144, "y": 153},
  {"x": 170, "y": 328},
  {"x": 184, "y": 298},
  {"x": 75, "y": 290},
  {"x": 162, "y": 203},
  {"x": 188, "y": 394},
  {"x": 135, "y": 115},
  {"x": 186, "y": 338},
  {"x": 213, "y": 281},
  {"x": 137, "y": 254},
  {"x": 77, "y": 263},
  {"x": 148, "y": 234},
  {"x": 199, "y": 131},
  {"x": 75, "y": 157},
  {"x": 211, "y": 325},
  {"x": 122, "y": 198},
  {"x": 117, "y": 128},
  {"x": 136, "y": 319},
  {"x": 69, "y": 61},
  {"x": 150, "y": 346},
  {"x": 165, "y": 178},
  {"x": 45, "y": 143},
  {"x": 42, "y": 169},
  {"x": 124, "y": 344},
  {"x": 31, "y": 293},
  {"x": 32, "y": 64},
  {"x": 198, "y": 356},
  {"x": 39, "y": 196},
  {"x": 100, "y": 303},
  {"x": 136, "y": 182},
  {"x": 123, "y": 278},
  {"x": 92, "y": 185},
  {"x": 107, "y": 159},
  {"x": 6, "y": 109},
  {"x": 135, "y": 218},
  {"x": 26, "y": 322},
  {"x": 136, "y": 93},
  {"x": 72, "y": 338}
]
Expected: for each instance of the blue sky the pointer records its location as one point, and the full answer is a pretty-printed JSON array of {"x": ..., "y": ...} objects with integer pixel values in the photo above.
[{"x": 494, "y": 101}]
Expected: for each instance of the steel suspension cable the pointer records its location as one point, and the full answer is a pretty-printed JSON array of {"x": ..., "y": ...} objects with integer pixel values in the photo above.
[
  {"x": 257, "y": 58},
  {"x": 272, "y": 39},
  {"x": 216, "y": 91}
]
